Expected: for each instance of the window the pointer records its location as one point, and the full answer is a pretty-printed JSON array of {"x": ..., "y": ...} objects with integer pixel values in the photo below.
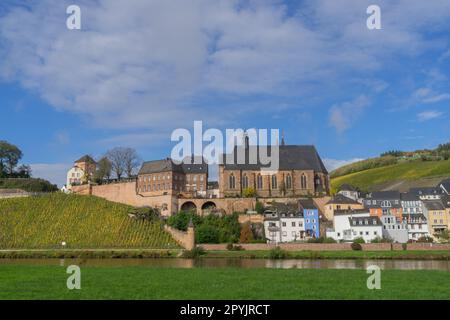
[
  {"x": 293, "y": 223},
  {"x": 288, "y": 181},
  {"x": 284, "y": 224},
  {"x": 259, "y": 183},
  {"x": 367, "y": 233},
  {"x": 274, "y": 182},
  {"x": 232, "y": 181},
  {"x": 284, "y": 234},
  {"x": 245, "y": 181},
  {"x": 375, "y": 233},
  {"x": 303, "y": 181}
]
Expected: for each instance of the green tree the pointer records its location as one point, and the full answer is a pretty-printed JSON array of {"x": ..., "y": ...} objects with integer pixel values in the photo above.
[
  {"x": 9, "y": 158},
  {"x": 104, "y": 168},
  {"x": 259, "y": 207}
]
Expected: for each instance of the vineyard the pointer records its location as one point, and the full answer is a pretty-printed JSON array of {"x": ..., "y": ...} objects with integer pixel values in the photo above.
[{"x": 45, "y": 222}]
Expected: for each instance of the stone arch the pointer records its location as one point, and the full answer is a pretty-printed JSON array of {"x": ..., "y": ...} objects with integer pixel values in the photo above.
[
  {"x": 188, "y": 206},
  {"x": 209, "y": 205}
]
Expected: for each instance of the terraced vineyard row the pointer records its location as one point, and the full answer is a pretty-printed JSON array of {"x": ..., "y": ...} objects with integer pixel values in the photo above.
[{"x": 80, "y": 221}]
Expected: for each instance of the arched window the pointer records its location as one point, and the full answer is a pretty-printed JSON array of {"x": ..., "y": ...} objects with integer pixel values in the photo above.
[
  {"x": 303, "y": 181},
  {"x": 274, "y": 182},
  {"x": 245, "y": 181},
  {"x": 288, "y": 182},
  {"x": 259, "y": 182},
  {"x": 232, "y": 181}
]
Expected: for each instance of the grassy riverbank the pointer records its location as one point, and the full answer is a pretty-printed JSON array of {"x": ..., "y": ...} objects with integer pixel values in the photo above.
[
  {"x": 49, "y": 282},
  {"x": 245, "y": 254}
]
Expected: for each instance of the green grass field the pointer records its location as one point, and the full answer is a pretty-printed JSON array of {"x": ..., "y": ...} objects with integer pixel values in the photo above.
[
  {"x": 81, "y": 221},
  {"x": 409, "y": 171},
  {"x": 49, "y": 282}
]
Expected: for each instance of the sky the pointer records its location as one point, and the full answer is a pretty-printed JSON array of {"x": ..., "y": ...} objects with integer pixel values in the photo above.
[{"x": 139, "y": 69}]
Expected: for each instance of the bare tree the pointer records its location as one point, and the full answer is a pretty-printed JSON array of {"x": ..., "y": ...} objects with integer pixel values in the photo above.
[{"x": 123, "y": 160}]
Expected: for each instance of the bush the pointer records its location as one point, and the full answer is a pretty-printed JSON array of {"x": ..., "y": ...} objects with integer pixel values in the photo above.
[
  {"x": 356, "y": 246},
  {"x": 232, "y": 247},
  {"x": 277, "y": 253},
  {"x": 425, "y": 240},
  {"x": 359, "y": 240},
  {"x": 207, "y": 234},
  {"x": 259, "y": 207},
  {"x": 321, "y": 240},
  {"x": 249, "y": 192},
  {"x": 194, "y": 253}
]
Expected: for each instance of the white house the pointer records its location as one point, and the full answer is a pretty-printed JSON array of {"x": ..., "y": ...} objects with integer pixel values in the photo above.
[
  {"x": 417, "y": 225},
  {"x": 284, "y": 223},
  {"x": 74, "y": 176},
  {"x": 349, "y": 191},
  {"x": 352, "y": 224},
  {"x": 394, "y": 229}
]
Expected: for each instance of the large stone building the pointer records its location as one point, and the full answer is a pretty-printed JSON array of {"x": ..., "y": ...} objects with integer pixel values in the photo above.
[
  {"x": 301, "y": 172},
  {"x": 165, "y": 177}
]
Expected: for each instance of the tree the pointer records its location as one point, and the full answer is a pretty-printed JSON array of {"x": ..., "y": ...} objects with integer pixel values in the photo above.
[
  {"x": 9, "y": 157},
  {"x": 259, "y": 207},
  {"x": 23, "y": 171},
  {"x": 104, "y": 168},
  {"x": 249, "y": 192},
  {"x": 132, "y": 161},
  {"x": 123, "y": 160}
]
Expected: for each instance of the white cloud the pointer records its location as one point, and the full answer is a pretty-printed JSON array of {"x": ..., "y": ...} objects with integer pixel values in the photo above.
[
  {"x": 56, "y": 173},
  {"x": 342, "y": 116},
  {"x": 147, "y": 64},
  {"x": 428, "y": 115},
  {"x": 332, "y": 164}
]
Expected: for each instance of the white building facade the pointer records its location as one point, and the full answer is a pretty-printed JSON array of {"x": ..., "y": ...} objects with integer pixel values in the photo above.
[{"x": 284, "y": 227}]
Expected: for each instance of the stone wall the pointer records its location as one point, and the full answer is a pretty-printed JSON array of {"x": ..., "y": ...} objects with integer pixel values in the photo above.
[
  {"x": 252, "y": 218},
  {"x": 331, "y": 246},
  {"x": 185, "y": 239}
]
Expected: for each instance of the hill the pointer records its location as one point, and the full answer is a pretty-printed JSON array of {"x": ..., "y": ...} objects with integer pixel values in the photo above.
[
  {"x": 28, "y": 184},
  {"x": 399, "y": 176},
  {"x": 44, "y": 222}
]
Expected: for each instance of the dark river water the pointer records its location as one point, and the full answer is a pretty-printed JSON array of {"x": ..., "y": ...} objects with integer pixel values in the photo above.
[{"x": 240, "y": 263}]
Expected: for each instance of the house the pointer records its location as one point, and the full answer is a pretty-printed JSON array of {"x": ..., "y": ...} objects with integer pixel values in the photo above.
[
  {"x": 300, "y": 172},
  {"x": 349, "y": 191},
  {"x": 352, "y": 224},
  {"x": 428, "y": 193},
  {"x": 413, "y": 216},
  {"x": 340, "y": 202},
  {"x": 384, "y": 203},
  {"x": 284, "y": 223},
  {"x": 165, "y": 177},
  {"x": 445, "y": 186},
  {"x": 437, "y": 216},
  {"x": 394, "y": 228},
  {"x": 312, "y": 218},
  {"x": 82, "y": 171}
]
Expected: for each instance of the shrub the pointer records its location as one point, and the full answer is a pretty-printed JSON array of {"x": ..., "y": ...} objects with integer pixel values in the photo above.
[
  {"x": 356, "y": 246},
  {"x": 359, "y": 240},
  {"x": 259, "y": 207},
  {"x": 249, "y": 192},
  {"x": 207, "y": 234},
  {"x": 425, "y": 240},
  {"x": 277, "y": 253},
  {"x": 194, "y": 253}
]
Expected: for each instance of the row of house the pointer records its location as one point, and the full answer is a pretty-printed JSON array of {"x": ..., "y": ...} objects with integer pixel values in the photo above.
[
  {"x": 289, "y": 222},
  {"x": 412, "y": 215}
]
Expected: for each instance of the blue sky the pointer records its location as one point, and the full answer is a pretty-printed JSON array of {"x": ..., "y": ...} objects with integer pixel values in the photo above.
[{"x": 138, "y": 70}]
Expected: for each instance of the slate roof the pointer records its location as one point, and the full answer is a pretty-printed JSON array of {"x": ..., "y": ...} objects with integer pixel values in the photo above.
[
  {"x": 409, "y": 196},
  {"x": 168, "y": 164},
  {"x": 371, "y": 221},
  {"x": 341, "y": 199},
  {"x": 385, "y": 195},
  {"x": 307, "y": 204},
  {"x": 446, "y": 185},
  {"x": 427, "y": 191},
  {"x": 434, "y": 205},
  {"x": 349, "y": 212},
  {"x": 291, "y": 157},
  {"x": 86, "y": 158},
  {"x": 446, "y": 201}
]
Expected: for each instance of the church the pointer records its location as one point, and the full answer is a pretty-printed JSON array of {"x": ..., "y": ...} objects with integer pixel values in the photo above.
[{"x": 301, "y": 172}]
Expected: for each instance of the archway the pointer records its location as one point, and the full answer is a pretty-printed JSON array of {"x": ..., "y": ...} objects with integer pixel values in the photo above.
[
  {"x": 188, "y": 206},
  {"x": 209, "y": 205}
]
